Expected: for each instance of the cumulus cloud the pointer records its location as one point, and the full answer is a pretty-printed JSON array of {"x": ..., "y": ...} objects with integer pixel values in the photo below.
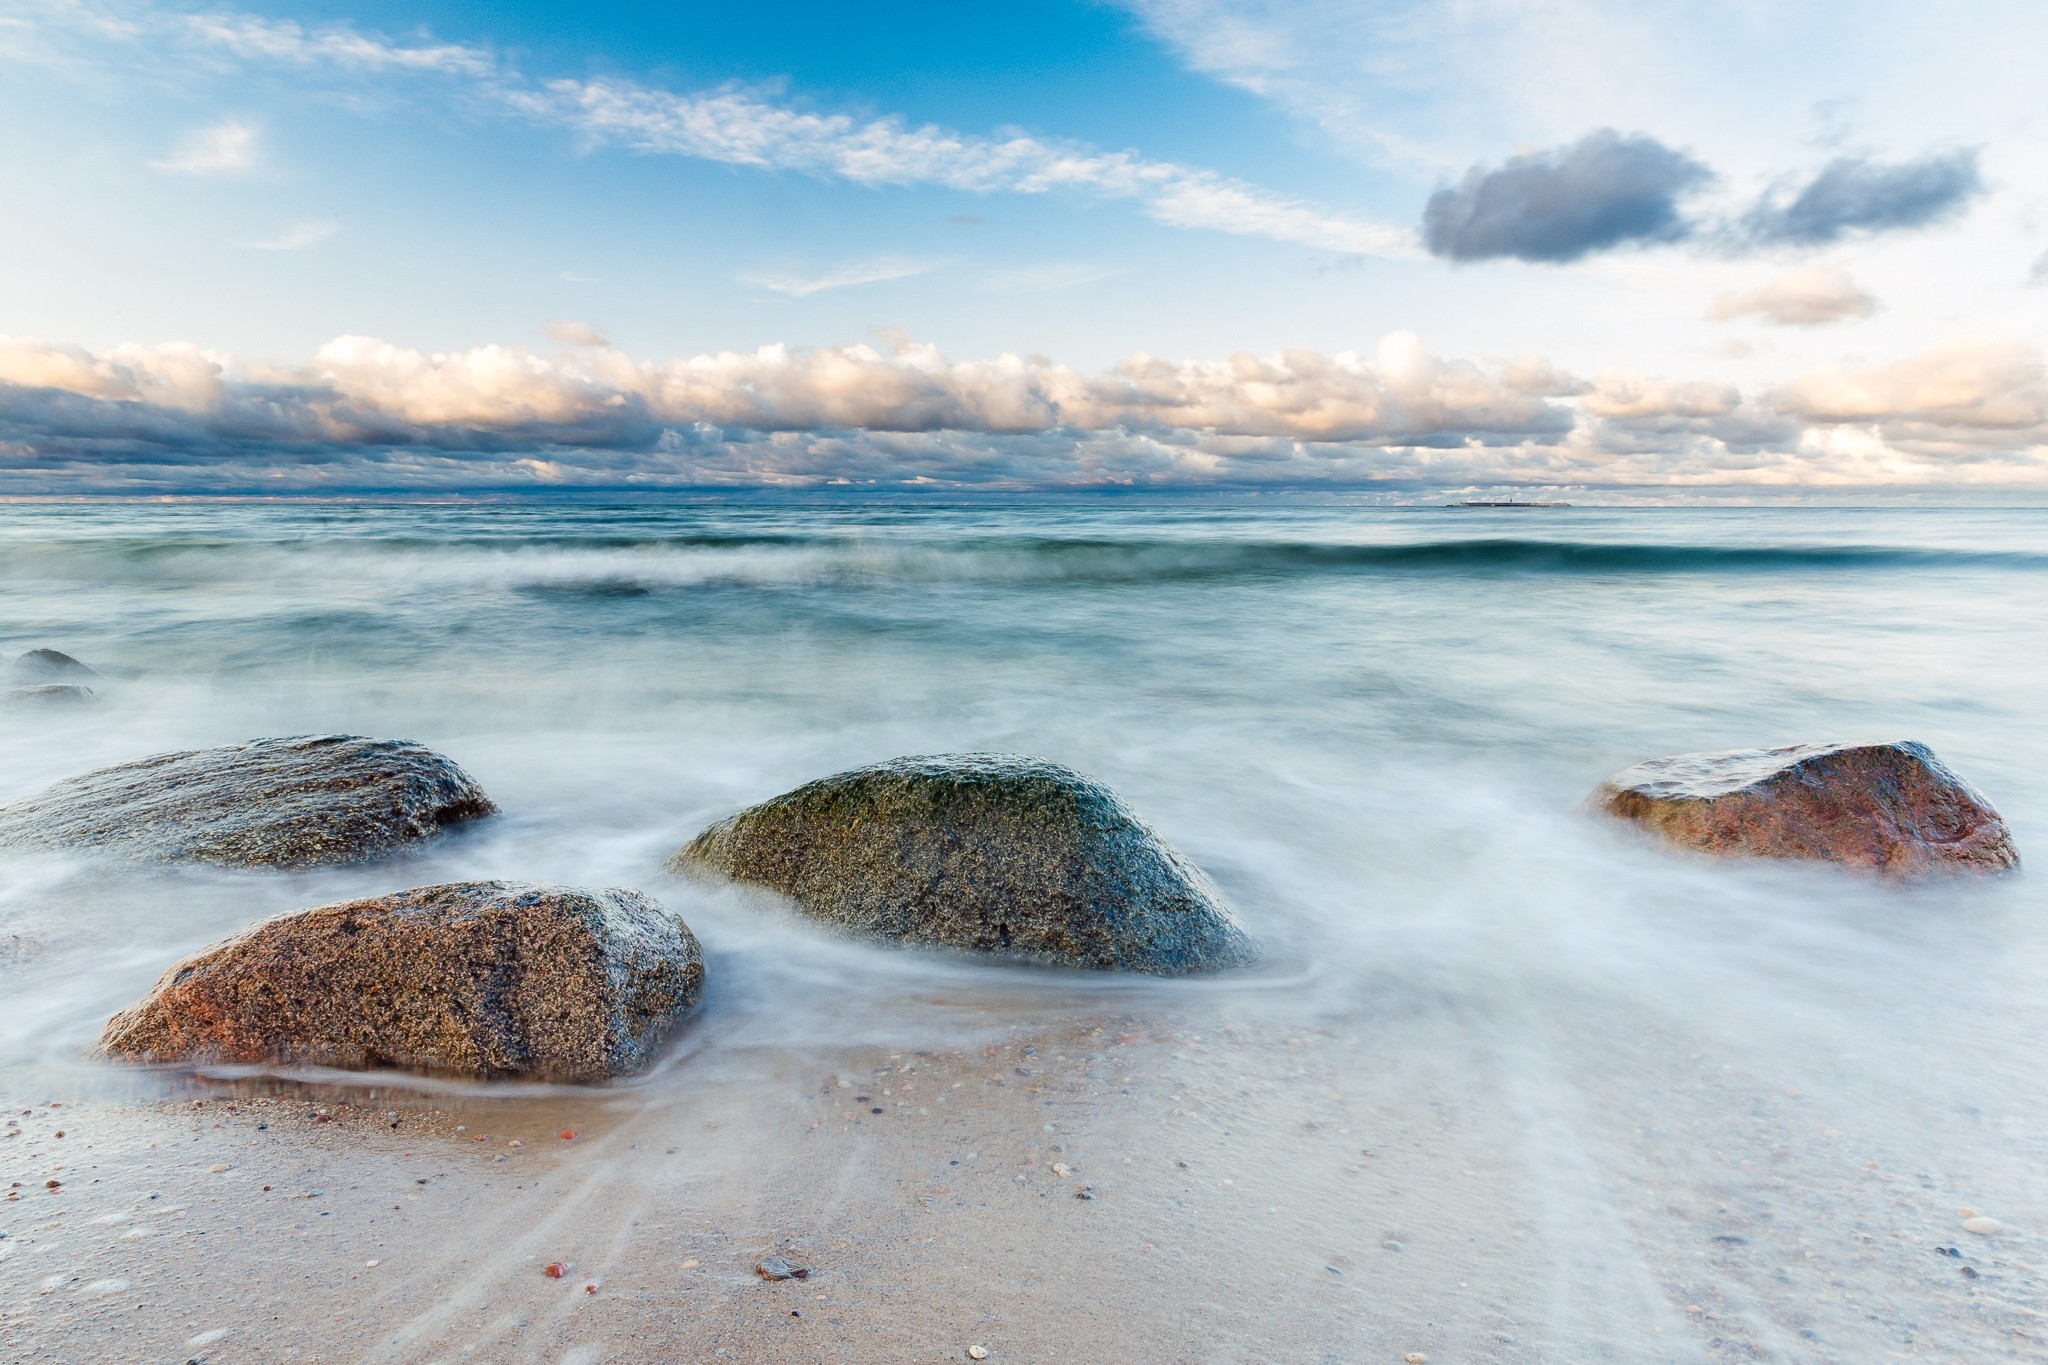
[
  {"x": 359, "y": 394},
  {"x": 565, "y": 333},
  {"x": 1855, "y": 195},
  {"x": 1964, "y": 394},
  {"x": 845, "y": 277},
  {"x": 367, "y": 413},
  {"x": 229, "y": 148},
  {"x": 1603, "y": 191},
  {"x": 1805, "y": 298}
]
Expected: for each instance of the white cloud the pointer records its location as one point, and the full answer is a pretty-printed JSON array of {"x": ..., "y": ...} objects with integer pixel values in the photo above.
[
  {"x": 845, "y": 277},
  {"x": 370, "y": 411},
  {"x": 229, "y": 148},
  {"x": 257, "y": 39},
  {"x": 737, "y": 127},
  {"x": 1983, "y": 395},
  {"x": 1810, "y": 297},
  {"x": 565, "y": 333},
  {"x": 297, "y": 237}
]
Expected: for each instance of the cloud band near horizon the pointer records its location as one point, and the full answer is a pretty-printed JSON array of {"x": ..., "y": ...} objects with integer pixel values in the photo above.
[{"x": 370, "y": 414}]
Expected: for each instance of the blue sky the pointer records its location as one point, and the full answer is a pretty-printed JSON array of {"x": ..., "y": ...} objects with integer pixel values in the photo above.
[{"x": 1399, "y": 246}]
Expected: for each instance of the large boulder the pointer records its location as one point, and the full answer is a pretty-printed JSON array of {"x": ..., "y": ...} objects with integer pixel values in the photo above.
[
  {"x": 48, "y": 694},
  {"x": 1893, "y": 809},
  {"x": 1016, "y": 857},
  {"x": 304, "y": 801},
  {"x": 51, "y": 666},
  {"x": 476, "y": 978}
]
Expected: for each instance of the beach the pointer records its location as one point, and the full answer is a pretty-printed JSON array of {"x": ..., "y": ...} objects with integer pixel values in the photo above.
[{"x": 1509, "y": 1083}]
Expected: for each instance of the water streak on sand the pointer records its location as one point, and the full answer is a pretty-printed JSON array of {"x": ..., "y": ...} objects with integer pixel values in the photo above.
[{"x": 1535, "y": 1090}]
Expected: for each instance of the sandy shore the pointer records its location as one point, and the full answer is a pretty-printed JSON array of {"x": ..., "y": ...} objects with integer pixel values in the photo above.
[{"x": 1336, "y": 1192}]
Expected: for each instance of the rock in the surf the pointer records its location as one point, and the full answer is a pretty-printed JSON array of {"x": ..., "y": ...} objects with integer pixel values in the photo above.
[
  {"x": 48, "y": 694},
  {"x": 1893, "y": 809},
  {"x": 988, "y": 853},
  {"x": 51, "y": 666},
  {"x": 302, "y": 801},
  {"x": 474, "y": 978}
]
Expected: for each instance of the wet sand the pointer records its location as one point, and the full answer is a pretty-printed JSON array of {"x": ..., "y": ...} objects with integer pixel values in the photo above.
[{"x": 1342, "y": 1192}]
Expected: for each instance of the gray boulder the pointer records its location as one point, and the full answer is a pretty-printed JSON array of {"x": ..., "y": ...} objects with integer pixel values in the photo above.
[
  {"x": 476, "y": 978},
  {"x": 51, "y": 666},
  {"x": 1014, "y": 857},
  {"x": 303, "y": 801},
  {"x": 1893, "y": 809},
  {"x": 48, "y": 694}
]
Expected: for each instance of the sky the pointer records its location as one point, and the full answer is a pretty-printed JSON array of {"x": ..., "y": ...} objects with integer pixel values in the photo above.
[{"x": 1679, "y": 249}]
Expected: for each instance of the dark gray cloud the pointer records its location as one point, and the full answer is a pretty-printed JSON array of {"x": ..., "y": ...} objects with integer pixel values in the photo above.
[
  {"x": 1603, "y": 191},
  {"x": 1852, "y": 194}
]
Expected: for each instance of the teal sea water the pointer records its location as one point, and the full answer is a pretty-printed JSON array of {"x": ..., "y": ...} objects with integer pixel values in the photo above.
[{"x": 1372, "y": 726}]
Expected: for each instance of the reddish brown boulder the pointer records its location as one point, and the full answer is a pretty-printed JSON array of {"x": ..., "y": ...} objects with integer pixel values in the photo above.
[
  {"x": 475, "y": 978},
  {"x": 1893, "y": 809}
]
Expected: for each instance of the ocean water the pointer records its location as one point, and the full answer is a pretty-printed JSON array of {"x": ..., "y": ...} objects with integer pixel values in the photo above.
[{"x": 1372, "y": 726}]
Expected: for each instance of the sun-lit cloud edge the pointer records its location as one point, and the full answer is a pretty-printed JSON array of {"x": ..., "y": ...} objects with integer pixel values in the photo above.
[{"x": 367, "y": 413}]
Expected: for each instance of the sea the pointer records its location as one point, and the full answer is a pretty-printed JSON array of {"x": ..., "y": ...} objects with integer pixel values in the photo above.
[{"x": 1373, "y": 726}]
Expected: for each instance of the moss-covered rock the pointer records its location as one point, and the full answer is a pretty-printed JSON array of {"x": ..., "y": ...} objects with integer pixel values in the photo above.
[
  {"x": 51, "y": 666},
  {"x": 475, "y": 978},
  {"x": 988, "y": 853},
  {"x": 303, "y": 801},
  {"x": 48, "y": 694}
]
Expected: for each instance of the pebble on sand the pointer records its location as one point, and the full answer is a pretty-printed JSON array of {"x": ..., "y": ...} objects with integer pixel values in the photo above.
[
  {"x": 1979, "y": 1224},
  {"x": 782, "y": 1268}
]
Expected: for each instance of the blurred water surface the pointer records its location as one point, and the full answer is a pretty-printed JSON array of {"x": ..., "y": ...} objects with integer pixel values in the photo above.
[{"x": 1372, "y": 726}]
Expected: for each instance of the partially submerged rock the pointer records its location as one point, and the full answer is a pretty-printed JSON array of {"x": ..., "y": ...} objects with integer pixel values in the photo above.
[
  {"x": 303, "y": 801},
  {"x": 48, "y": 694},
  {"x": 51, "y": 666},
  {"x": 477, "y": 978},
  {"x": 1894, "y": 809},
  {"x": 991, "y": 853}
]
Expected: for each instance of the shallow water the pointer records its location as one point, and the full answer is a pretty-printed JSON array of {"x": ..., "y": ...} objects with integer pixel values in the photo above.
[{"x": 1372, "y": 727}]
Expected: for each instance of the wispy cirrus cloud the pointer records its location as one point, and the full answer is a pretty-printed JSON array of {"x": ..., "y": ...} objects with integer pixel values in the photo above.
[
  {"x": 231, "y": 147},
  {"x": 741, "y": 127},
  {"x": 297, "y": 237},
  {"x": 797, "y": 286}
]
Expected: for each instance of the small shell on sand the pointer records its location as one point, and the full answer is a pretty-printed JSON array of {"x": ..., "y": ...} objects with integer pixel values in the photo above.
[{"x": 1982, "y": 1226}]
